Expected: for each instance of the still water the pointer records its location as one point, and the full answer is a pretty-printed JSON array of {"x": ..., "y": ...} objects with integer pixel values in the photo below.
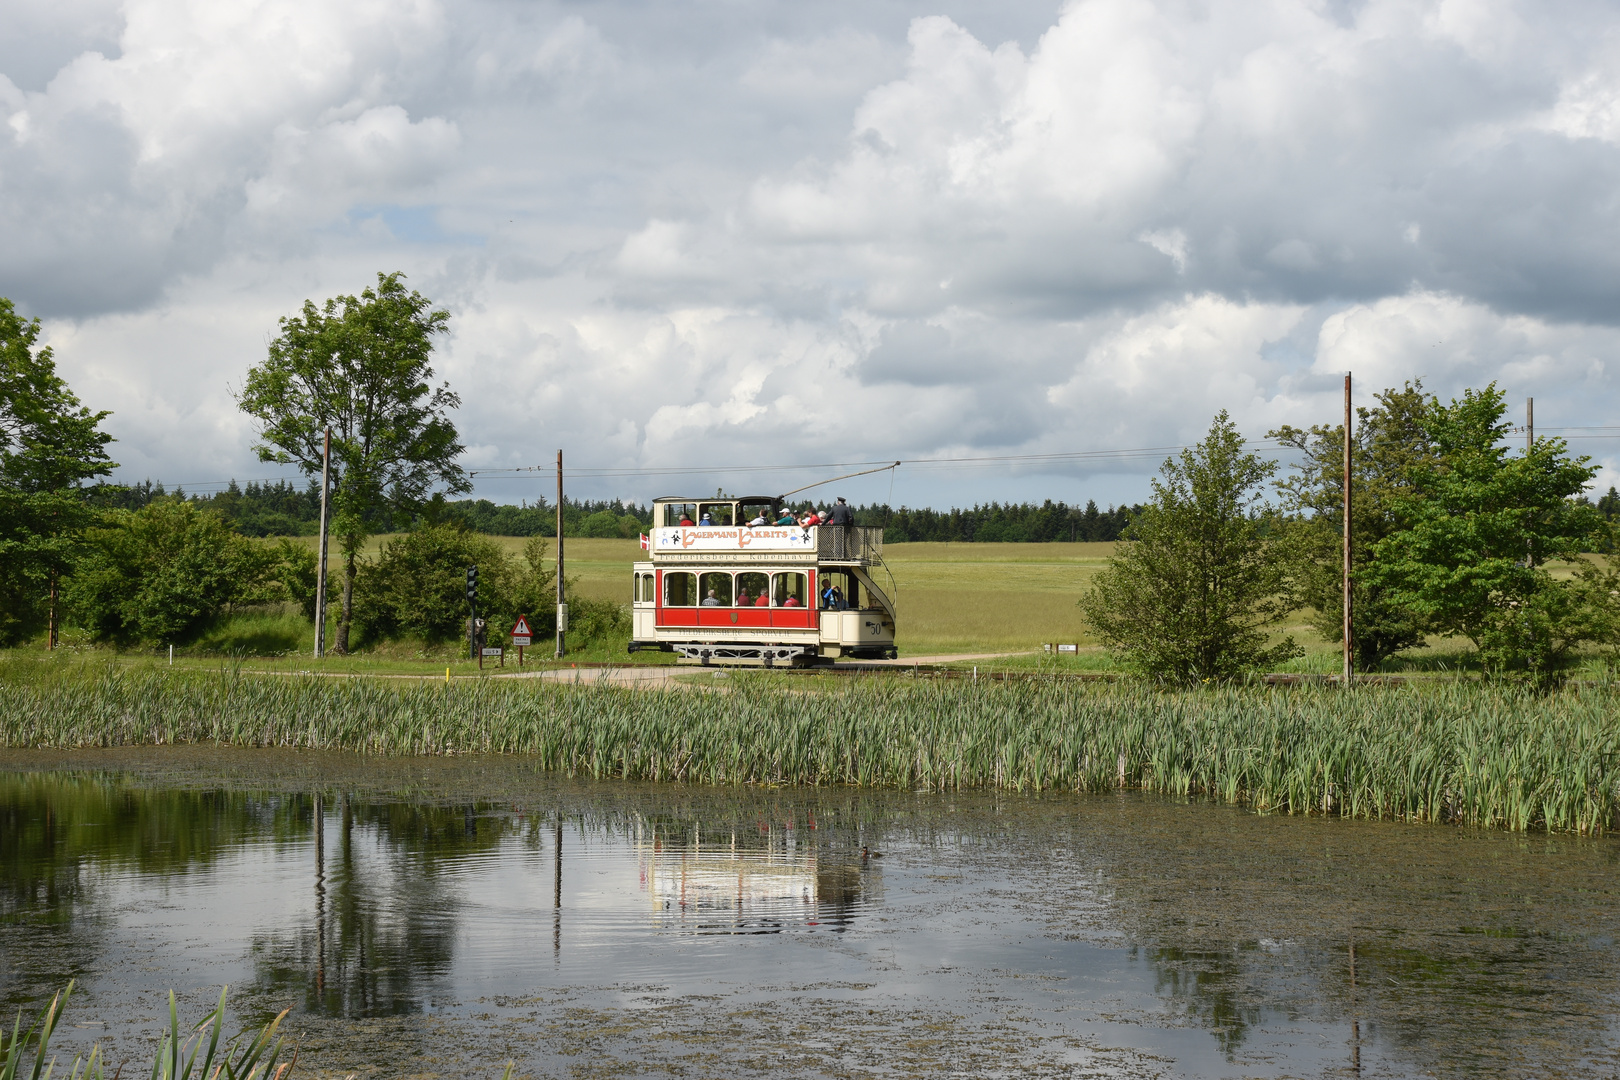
[{"x": 440, "y": 917}]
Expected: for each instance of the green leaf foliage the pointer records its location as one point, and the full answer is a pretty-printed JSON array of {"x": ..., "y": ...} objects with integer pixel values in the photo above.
[
  {"x": 1483, "y": 524},
  {"x": 417, "y": 586},
  {"x": 360, "y": 365},
  {"x": 49, "y": 445},
  {"x": 1188, "y": 596},
  {"x": 1390, "y": 444},
  {"x": 165, "y": 573}
]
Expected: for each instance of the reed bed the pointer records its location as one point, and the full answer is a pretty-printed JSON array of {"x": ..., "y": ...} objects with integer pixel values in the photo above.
[{"x": 1465, "y": 753}]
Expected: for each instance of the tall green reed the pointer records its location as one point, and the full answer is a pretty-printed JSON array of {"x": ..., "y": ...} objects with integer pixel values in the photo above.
[{"x": 1467, "y": 753}]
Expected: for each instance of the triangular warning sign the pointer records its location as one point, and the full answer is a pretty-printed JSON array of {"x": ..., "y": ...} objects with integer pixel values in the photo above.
[{"x": 522, "y": 627}]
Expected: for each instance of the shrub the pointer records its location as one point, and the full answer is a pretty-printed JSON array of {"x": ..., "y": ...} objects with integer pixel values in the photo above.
[{"x": 167, "y": 572}]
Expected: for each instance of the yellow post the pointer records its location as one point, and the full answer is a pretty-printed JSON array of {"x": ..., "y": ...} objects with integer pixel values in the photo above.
[{"x": 446, "y": 674}]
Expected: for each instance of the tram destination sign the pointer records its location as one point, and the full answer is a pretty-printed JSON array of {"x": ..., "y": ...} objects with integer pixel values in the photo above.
[{"x": 736, "y": 538}]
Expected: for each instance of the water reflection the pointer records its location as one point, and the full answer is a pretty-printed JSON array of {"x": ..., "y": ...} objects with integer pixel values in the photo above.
[
  {"x": 633, "y": 922},
  {"x": 384, "y": 905},
  {"x": 766, "y": 881}
]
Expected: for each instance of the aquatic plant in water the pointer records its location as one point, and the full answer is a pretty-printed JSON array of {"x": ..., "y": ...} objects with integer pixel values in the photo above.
[
  {"x": 176, "y": 1057},
  {"x": 1468, "y": 753}
]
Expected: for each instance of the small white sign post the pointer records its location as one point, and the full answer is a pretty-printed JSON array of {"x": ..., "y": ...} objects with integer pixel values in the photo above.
[{"x": 521, "y": 636}]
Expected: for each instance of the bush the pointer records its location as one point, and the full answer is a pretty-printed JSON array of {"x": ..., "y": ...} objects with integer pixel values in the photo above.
[
  {"x": 417, "y": 587},
  {"x": 167, "y": 572}
]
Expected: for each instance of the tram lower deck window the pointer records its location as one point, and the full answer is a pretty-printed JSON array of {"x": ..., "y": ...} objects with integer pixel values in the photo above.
[
  {"x": 680, "y": 589},
  {"x": 753, "y": 590},
  {"x": 788, "y": 590},
  {"x": 716, "y": 589},
  {"x": 644, "y": 589}
]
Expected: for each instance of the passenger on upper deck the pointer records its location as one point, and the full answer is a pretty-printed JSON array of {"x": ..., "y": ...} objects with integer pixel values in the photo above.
[
  {"x": 686, "y": 521},
  {"x": 759, "y": 519},
  {"x": 810, "y": 519},
  {"x": 786, "y": 517},
  {"x": 705, "y": 523}
]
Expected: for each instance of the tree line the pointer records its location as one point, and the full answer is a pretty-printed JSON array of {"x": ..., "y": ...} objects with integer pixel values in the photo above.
[
  {"x": 280, "y": 508},
  {"x": 1452, "y": 535}
]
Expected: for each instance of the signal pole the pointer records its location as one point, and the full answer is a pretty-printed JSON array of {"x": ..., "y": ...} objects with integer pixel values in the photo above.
[
  {"x": 1348, "y": 605},
  {"x": 472, "y": 615},
  {"x": 562, "y": 608},
  {"x": 320, "y": 568}
]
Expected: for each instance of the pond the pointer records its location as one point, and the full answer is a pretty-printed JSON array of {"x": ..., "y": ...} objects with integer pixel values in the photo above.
[{"x": 441, "y": 916}]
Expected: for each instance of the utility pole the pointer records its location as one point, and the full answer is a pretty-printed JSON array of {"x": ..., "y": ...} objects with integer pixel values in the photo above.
[
  {"x": 1348, "y": 603},
  {"x": 320, "y": 566},
  {"x": 562, "y": 608},
  {"x": 1529, "y": 446}
]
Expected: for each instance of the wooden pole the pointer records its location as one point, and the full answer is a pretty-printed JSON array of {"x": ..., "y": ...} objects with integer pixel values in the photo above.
[
  {"x": 320, "y": 565},
  {"x": 562, "y": 608},
  {"x": 1348, "y": 602},
  {"x": 1529, "y": 446}
]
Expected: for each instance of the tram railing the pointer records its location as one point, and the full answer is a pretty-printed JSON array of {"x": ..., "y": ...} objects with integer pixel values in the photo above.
[{"x": 848, "y": 543}]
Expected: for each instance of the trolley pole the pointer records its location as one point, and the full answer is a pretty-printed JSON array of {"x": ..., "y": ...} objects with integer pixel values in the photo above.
[
  {"x": 562, "y": 608},
  {"x": 320, "y": 565},
  {"x": 1348, "y": 603}
]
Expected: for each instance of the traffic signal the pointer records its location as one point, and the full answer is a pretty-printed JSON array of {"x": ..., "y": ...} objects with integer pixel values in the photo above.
[{"x": 472, "y": 583}]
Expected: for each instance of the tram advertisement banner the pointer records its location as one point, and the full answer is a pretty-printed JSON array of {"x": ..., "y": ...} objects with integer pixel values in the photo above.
[{"x": 759, "y": 538}]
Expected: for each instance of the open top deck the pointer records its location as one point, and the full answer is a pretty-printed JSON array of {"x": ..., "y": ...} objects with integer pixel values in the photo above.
[{"x": 752, "y": 529}]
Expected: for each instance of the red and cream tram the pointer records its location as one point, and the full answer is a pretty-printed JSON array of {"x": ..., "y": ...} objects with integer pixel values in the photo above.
[{"x": 721, "y": 591}]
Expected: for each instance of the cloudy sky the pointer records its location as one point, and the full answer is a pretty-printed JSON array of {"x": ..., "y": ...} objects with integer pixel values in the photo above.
[{"x": 718, "y": 234}]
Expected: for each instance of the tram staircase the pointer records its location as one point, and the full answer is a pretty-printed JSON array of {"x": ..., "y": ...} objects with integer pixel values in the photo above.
[{"x": 860, "y": 545}]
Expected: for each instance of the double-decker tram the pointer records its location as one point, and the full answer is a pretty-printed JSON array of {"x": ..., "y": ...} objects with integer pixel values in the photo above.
[{"x": 717, "y": 589}]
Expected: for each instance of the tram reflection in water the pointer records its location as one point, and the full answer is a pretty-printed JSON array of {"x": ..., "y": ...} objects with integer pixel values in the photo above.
[{"x": 751, "y": 884}]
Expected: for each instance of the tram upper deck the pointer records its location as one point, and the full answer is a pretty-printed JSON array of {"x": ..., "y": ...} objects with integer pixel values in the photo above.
[{"x": 690, "y": 530}]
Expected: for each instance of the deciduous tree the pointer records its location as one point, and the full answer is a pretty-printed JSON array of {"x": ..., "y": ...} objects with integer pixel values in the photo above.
[
  {"x": 1189, "y": 595},
  {"x": 1483, "y": 524},
  {"x": 49, "y": 445},
  {"x": 360, "y": 365}
]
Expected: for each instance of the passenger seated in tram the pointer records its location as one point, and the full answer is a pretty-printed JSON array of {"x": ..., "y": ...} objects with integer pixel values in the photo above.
[
  {"x": 705, "y": 523},
  {"x": 809, "y": 519},
  {"x": 686, "y": 520},
  {"x": 786, "y": 517},
  {"x": 711, "y": 600},
  {"x": 758, "y": 520},
  {"x": 743, "y": 599},
  {"x": 791, "y": 601},
  {"x": 764, "y": 600}
]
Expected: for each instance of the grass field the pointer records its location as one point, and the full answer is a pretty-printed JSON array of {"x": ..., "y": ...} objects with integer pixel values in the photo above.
[{"x": 952, "y": 597}]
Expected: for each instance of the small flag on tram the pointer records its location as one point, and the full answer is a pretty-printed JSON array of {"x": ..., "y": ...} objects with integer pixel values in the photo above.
[{"x": 643, "y": 541}]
